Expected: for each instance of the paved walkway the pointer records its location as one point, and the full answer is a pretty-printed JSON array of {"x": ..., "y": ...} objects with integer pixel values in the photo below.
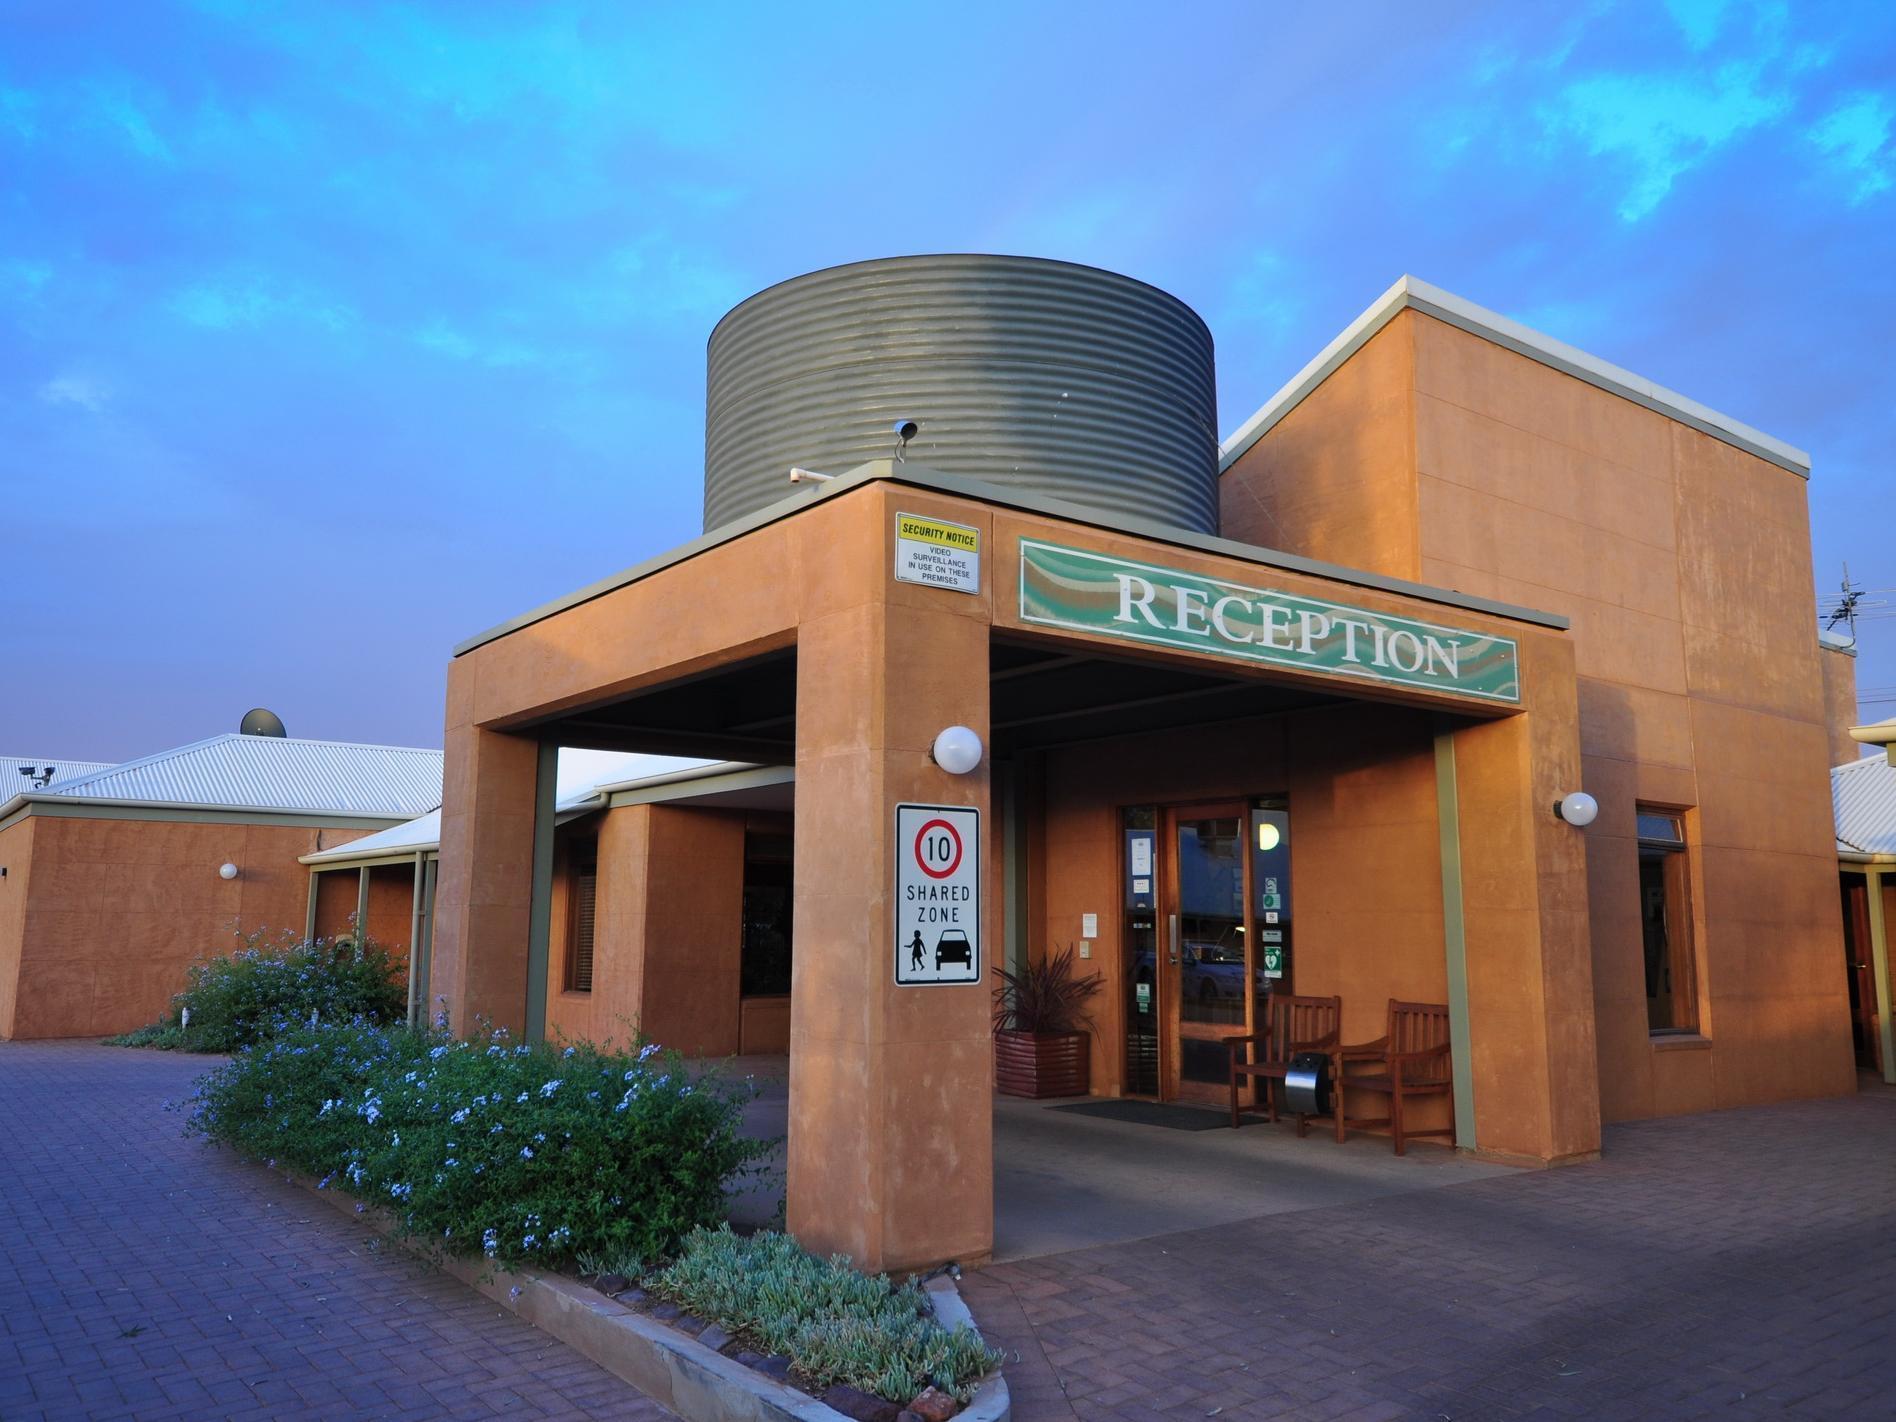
[
  {"x": 1738, "y": 1265},
  {"x": 143, "y": 1275}
]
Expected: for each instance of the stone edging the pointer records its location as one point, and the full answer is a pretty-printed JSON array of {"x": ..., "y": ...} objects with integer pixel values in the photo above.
[{"x": 670, "y": 1367}]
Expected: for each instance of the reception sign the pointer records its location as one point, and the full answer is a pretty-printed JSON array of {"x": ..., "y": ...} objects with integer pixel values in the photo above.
[{"x": 1169, "y": 607}]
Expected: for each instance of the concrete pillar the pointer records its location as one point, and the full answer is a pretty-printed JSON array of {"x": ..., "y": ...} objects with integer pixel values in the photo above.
[
  {"x": 891, "y": 1108},
  {"x": 1524, "y": 914},
  {"x": 484, "y": 886},
  {"x": 1879, "y": 962}
]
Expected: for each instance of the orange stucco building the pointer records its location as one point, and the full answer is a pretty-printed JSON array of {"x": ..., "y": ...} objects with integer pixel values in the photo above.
[
  {"x": 1325, "y": 730},
  {"x": 113, "y": 883}
]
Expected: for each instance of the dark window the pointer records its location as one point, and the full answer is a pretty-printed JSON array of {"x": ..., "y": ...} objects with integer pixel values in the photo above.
[
  {"x": 765, "y": 968},
  {"x": 579, "y": 946},
  {"x": 1665, "y": 912}
]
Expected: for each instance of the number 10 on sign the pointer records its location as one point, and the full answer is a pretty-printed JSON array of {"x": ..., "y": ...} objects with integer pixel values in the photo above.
[{"x": 937, "y": 895}]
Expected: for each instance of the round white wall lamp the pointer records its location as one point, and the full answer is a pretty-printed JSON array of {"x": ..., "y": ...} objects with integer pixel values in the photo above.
[
  {"x": 1577, "y": 809},
  {"x": 227, "y": 871},
  {"x": 957, "y": 750}
]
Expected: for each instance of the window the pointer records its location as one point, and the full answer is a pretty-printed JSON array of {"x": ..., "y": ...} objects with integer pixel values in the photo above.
[
  {"x": 764, "y": 968},
  {"x": 579, "y": 945},
  {"x": 1665, "y": 913}
]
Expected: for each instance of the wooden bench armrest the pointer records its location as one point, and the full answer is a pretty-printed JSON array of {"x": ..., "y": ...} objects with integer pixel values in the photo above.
[
  {"x": 1325, "y": 1043},
  {"x": 1425, "y": 1055},
  {"x": 1242, "y": 1041},
  {"x": 1366, "y": 1051}
]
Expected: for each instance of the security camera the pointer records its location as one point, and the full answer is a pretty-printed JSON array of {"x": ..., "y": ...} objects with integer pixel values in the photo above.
[{"x": 906, "y": 430}]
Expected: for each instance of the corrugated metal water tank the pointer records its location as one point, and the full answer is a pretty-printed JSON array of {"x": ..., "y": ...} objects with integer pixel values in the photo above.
[{"x": 1064, "y": 380}]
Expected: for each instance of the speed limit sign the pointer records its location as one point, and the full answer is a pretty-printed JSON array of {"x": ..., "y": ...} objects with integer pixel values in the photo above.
[{"x": 937, "y": 895}]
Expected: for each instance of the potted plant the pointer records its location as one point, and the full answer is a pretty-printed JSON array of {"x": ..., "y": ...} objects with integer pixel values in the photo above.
[{"x": 1040, "y": 1029}]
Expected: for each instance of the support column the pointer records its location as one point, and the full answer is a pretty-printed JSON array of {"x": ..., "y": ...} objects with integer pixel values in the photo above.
[
  {"x": 1455, "y": 937},
  {"x": 414, "y": 947},
  {"x": 540, "y": 897},
  {"x": 891, "y": 1107},
  {"x": 1879, "y": 961},
  {"x": 1529, "y": 963},
  {"x": 484, "y": 885}
]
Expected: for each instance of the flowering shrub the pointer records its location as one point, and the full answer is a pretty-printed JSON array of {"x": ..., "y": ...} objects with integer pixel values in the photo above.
[
  {"x": 490, "y": 1147},
  {"x": 271, "y": 982},
  {"x": 834, "y": 1324}
]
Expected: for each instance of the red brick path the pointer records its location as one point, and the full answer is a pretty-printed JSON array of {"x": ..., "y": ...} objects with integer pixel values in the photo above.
[
  {"x": 143, "y": 1275},
  {"x": 1735, "y": 1265}
]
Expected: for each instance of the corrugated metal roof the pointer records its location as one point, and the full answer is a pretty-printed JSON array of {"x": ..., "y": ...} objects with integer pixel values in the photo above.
[
  {"x": 273, "y": 773},
  {"x": 13, "y": 783},
  {"x": 1863, "y": 795},
  {"x": 411, "y": 837},
  {"x": 577, "y": 783}
]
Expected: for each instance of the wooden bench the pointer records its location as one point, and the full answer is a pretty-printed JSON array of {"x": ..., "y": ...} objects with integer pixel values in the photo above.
[
  {"x": 1410, "y": 1059},
  {"x": 1295, "y": 1024}
]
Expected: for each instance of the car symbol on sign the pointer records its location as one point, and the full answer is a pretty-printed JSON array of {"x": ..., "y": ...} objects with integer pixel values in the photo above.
[{"x": 953, "y": 947}]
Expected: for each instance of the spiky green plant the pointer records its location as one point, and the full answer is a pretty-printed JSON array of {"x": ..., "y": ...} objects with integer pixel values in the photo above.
[{"x": 1046, "y": 998}]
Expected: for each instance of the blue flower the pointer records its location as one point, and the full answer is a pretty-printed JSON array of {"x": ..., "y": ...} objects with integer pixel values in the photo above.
[
  {"x": 526, "y": 1152},
  {"x": 549, "y": 1088}
]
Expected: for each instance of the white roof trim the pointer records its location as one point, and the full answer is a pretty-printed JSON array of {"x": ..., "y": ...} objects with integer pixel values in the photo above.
[
  {"x": 1410, "y": 292},
  {"x": 704, "y": 771}
]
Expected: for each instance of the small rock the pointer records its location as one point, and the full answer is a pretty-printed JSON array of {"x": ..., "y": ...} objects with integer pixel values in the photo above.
[
  {"x": 666, "y": 1312},
  {"x": 635, "y": 1298},
  {"x": 778, "y": 1367},
  {"x": 908, "y": 1416},
  {"x": 715, "y": 1338},
  {"x": 611, "y": 1284},
  {"x": 690, "y": 1323},
  {"x": 860, "y": 1405},
  {"x": 933, "y": 1405}
]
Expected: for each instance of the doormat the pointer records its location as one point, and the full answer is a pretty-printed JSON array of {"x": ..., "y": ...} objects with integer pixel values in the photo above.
[{"x": 1152, "y": 1113}]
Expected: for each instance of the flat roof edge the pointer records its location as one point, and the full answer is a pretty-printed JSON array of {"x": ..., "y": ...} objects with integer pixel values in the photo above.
[
  {"x": 26, "y": 801},
  {"x": 326, "y": 859},
  {"x": 888, "y": 471},
  {"x": 1411, "y": 293}
]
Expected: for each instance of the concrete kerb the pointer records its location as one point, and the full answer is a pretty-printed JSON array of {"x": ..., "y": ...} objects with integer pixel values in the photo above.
[{"x": 670, "y": 1367}]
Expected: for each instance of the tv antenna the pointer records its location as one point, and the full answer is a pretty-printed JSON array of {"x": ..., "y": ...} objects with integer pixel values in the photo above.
[{"x": 1846, "y": 609}]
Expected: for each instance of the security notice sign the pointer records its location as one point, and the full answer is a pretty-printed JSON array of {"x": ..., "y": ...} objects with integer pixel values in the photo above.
[
  {"x": 942, "y": 555},
  {"x": 937, "y": 895}
]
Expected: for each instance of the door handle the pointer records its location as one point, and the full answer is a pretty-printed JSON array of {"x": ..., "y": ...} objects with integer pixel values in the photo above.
[{"x": 1172, "y": 936}]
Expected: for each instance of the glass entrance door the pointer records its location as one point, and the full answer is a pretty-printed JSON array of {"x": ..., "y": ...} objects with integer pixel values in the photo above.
[{"x": 1206, "y": 974}]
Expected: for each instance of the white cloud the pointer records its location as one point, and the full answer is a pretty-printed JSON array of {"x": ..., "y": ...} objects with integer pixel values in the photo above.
[
  {"x": 78, "y": 390},
  {"x": 1855, "y": 136}
]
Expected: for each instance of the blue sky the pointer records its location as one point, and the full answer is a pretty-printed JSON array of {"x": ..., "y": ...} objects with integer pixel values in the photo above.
[{"x": 330, "y": 335}]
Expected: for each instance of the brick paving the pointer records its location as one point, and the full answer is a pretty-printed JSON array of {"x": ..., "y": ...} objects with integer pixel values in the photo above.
[
  {"x": 144, "y": 1275},
  {"x": 1737, "y": 1265}
]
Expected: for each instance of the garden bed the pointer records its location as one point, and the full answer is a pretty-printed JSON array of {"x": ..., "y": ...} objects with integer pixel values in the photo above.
[
  {"x": 500, "y": 1155},
  {"x": 638, "y": 1337}
]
